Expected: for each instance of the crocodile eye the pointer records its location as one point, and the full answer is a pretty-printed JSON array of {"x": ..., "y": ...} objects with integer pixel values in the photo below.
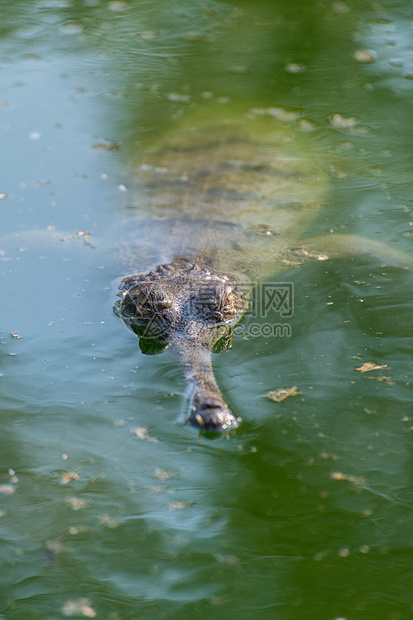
[
  {"x": 229, "y": 301},
  {"x": 153, "y": 300},
  {"x": 162, "y": 303},
  {"x": 232, "y": 303}
]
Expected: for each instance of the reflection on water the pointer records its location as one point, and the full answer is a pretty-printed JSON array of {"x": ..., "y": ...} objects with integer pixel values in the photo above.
[{"x": 109, "y": 508}]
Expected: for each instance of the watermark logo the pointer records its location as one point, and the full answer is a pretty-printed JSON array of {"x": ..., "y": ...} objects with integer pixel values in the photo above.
[
  {"x": 264, "y": 330},
  {"x": 270, "y": 304},
  {"x": 276, "y": 297},
  {"x": 267, "y": 300}
]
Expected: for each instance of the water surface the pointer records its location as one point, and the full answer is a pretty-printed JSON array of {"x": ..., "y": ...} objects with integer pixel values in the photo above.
[{"x": 109, "y": 507}]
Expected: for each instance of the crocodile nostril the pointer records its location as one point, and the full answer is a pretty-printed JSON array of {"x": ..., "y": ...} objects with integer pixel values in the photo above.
[{"x": 212, "y": 416}]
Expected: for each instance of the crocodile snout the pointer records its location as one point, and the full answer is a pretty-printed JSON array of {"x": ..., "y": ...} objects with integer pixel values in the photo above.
[{"x": 212, "y": 414}]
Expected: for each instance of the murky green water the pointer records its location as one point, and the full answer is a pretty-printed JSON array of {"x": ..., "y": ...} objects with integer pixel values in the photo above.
[{"x": 304, "y": 512}]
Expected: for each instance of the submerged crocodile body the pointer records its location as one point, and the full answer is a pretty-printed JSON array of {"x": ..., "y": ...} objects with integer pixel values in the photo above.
[{"x": 225, "y": 204}]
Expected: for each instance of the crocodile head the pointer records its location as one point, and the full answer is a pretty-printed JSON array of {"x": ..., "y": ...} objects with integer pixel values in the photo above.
[{"x": 192, "y": 307}]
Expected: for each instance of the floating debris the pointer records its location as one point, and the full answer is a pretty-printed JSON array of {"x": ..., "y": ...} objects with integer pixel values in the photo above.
[
  {"x": 117, "y": 6},
  {"x": 76, "y": 503},
  {"x": 300, "y": 255},
  {"x": 367, "y": 366},
  {"x": 7, "y": 489},
  {"x": 179, "y": 505},
  {"x": 265, "y": 231},
  {"x": 281, "y": 394},
  {"x": 359, "y": 481},
  {"x": 53, "y": 548},
  {"x": 178, "y": 97},
  {"x": 67, "y": 477},
  {"x": 83, "y": 233},
  {"x": 82, "y": 529},
  {"x": 350, "y": 125},
  {"x": 110, "y": 522},
  {"x": 281, "y": 113},
  {"x": 105, "y": 147},
  {"x": 294, "y": 67},
  {"x": 339, "y": 122},
  {"x": 162, "y": 474},
  {"x": 365, "y": 56},
  {"x": 307, "y": 125},
  {"x": 80, "y": 234},
  {"x": 77, "y": 607},
  {"x": 147, "y": 35},
  {"x": 383, "y": 379},
  {"x": 142, "y": 433}
]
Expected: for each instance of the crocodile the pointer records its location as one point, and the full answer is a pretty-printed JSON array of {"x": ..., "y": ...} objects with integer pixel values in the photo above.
[
  {"x": 229, "y": 202},
  {"x": 192, "y": 307},
  {"x": 225, "y": 201}
]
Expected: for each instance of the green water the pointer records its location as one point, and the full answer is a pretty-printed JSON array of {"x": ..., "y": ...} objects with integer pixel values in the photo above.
[{"x": 306, "y": 511}]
